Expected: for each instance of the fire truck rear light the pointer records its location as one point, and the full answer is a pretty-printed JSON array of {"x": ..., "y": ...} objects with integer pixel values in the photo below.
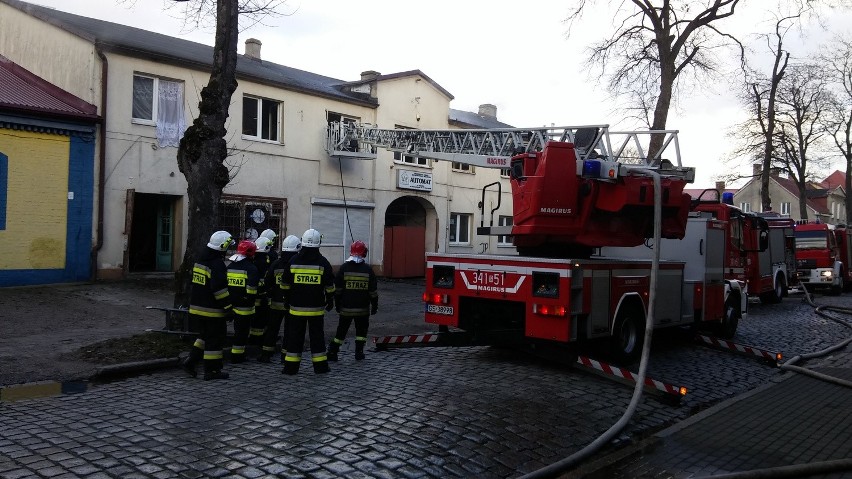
[
  {"x": 436, "y": 298},
  {"x": 549, "y": 310}
]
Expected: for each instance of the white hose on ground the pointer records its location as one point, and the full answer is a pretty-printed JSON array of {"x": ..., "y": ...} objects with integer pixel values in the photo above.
[{"x": 564, "y": 464}]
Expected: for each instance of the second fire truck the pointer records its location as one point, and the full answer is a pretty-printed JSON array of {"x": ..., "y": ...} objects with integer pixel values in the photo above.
[{"x": 583, "y": 209}]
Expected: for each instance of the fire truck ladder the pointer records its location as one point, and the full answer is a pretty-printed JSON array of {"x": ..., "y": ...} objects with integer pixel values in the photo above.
[{"x": 494, "y": 148}]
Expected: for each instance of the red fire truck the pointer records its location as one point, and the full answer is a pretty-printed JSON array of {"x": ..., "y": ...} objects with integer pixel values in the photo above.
[
  {"x": 824, "y": 256},
  {"x": 574, "y": 194},
  {"x": 760, "y": 246}
]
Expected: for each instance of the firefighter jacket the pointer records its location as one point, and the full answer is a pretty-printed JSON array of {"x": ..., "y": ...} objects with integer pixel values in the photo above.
[
  {"x": 209, "y": 293},
  {"x": 274, "y": 276},
  {"x": 355, "y": 289},
  {"x": 242, "y": 285},
  {"x": 308, "y": 284},
  {"x": 262, "y": 261}
]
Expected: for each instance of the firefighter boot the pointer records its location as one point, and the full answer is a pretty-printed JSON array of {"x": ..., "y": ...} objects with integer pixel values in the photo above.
[
  {"x": 265, "y": 357},
  {"x": 359, "y": 350},
  {"x": 190, "y": 364},
  {"x": 333, "y": 348},
  {"x": 215, "y": 375},
  {"x": 291, "y": 363}
]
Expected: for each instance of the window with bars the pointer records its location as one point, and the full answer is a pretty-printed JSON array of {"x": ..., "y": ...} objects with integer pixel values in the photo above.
[
  {"x": 245, "y": 217},
  {"x": 462, "y": 167},
  {"x": 746, "y": 207}
]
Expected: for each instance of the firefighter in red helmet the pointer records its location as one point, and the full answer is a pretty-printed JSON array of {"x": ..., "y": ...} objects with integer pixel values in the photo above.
[
  {"x": 242, "y": 285},
  {"x": 356, "y": 298}
]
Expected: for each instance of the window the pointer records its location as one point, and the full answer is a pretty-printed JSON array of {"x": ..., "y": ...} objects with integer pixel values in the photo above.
[
  {"x": 504, "y": 172},
  {"x": 260, "y": 118},
  {"x": 245, "y": 217},
  {"x": 504, "y": 240},
  {"x": 462, "y": 167},
  {"x": 411, "y": 160},
  {"x": 785, "y": 208},
  {"x": 334, "y": 223},
  {"x": 158, "y": 102},
  {"x": 460, "y": 228},
  {"x": 745, "y": 207}
]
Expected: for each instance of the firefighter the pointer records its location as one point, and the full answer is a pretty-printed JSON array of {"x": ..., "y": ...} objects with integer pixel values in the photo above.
[
  {"x": 209, "y": 306},
  {"x": 308, "y": 286},
  {"x": 277, "y": 307},
  {"x": 242, "y": 285},
  {"x": 356, "y": 298},
  {"x": 272, "y": 236},
  {"x": 262, "y": 261}
]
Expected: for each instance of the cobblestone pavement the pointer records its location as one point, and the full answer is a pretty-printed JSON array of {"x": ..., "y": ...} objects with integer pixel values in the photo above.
[{"x": 428, "y": 412}]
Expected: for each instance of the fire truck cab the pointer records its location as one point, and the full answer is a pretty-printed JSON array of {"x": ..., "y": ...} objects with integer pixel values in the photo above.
[{"x": 823, "y": 256}]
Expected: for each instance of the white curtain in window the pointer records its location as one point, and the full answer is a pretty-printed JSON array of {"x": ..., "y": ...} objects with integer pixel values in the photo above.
[{"x": 171, "y": 121}]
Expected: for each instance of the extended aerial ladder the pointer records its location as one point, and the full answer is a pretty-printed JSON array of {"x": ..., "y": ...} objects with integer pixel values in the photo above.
[{"x": 574, "y": 188}]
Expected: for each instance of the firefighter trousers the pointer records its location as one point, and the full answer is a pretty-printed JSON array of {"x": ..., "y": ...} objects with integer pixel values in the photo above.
[
  {"x": 315, "y": 326},
  {"x": 208, "y": 346},
  {"x": 362, "y": 324},
  {"x": 242, "y": 326},
  {"x": 270, "y": 334},
  {"x": 258, "y": 324}
]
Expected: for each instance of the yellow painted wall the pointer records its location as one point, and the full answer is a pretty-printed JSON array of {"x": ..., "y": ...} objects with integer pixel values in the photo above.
[{"x": 36, "y": 201}]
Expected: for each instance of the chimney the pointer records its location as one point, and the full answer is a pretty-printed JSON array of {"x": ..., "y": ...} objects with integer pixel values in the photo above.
[
  {"x": 369, "y": 75},
  {"x": 756, "y": 169},
  {"x": 488, "y": 110},
  {"x": 253, "y": 48},
  {"x": 720, "y": 187}
]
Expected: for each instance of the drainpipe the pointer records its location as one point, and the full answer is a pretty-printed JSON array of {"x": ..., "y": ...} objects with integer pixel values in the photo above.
[{"x": 101, "y": 165}]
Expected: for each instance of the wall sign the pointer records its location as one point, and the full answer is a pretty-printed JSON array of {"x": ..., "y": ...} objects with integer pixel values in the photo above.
[{"x": 414, "y": 180}]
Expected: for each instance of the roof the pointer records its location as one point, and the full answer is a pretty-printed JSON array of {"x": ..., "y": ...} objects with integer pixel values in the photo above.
[
  {"x": 834, "y": 180},
  {"x": 419, "y": 73},
  {"x": 471, "y": 119},
  {"x": 816, "y": 203},
  {"x": 22, "y": 91},
  {"x": 139, "y": 43}
]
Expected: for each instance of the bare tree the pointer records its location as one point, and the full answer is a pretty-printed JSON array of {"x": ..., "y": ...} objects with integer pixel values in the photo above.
[
  {"x": 203, "y": 149},
  {"x": 803, "y": 101},
  {"x": 654, "y": 45},
  {"x": 837, "y": 66}
]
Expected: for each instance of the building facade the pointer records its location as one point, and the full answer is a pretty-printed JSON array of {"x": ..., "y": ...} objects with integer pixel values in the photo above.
[
  {"x": 824, "y": 202},
  {"x": 146, "y": 88},
  {"x": 47, "y": 145}
]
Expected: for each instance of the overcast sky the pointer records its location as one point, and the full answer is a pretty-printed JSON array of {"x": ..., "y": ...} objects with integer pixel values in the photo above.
[{"x": 515, "y": 55}]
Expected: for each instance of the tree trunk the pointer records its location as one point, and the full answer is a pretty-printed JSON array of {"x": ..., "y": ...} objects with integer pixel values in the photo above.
[
  {"x": 203, "y": 149},
  {"x": 848, "y": 187},
  {"x": 661, "y": 109},
  {"x": 803, "y": 200}
]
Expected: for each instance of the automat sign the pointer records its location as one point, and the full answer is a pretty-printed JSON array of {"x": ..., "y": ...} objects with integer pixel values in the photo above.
[{"x": 414, "y": 180}]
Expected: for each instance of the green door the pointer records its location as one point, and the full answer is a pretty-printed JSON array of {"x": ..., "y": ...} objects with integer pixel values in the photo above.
[{"x": 164, "y": 235}]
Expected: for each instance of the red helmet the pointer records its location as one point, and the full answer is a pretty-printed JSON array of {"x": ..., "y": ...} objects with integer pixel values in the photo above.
[
  {"x": 246, "y": 248},
  {"x": 358, "y": 248}
]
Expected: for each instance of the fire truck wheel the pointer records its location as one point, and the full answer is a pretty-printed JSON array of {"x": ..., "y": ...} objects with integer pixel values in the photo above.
[
  {"x": 628, "y": 336},
  {"x": 728, "y": 327},
  {"x": 776, "y": 295}
]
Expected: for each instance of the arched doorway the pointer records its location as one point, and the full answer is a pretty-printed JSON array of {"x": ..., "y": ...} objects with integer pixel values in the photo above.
[{"x": 405, "y": 238}]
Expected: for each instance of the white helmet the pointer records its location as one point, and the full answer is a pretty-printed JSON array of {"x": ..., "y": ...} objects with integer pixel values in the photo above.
[
  {"x": 311, "y": 239},
  {"x": 291, "y": 243},
  {"x": 220, "y": 241},
  {"x": 263, "y": 244},
  {"x": 268, "y": 233}
]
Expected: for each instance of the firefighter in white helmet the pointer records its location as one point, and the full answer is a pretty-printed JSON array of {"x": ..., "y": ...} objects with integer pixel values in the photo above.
[
  {"x": 277, "y": 307},
  {"x": 356, "y": 298},
  {"x": 271, "y": 235},
  {"x": 308, "y": 286},
  {"x": 209, "y": 307}
]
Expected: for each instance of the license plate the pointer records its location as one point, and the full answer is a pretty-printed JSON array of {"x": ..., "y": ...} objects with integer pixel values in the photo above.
[{"x": 439, "y": 309}]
